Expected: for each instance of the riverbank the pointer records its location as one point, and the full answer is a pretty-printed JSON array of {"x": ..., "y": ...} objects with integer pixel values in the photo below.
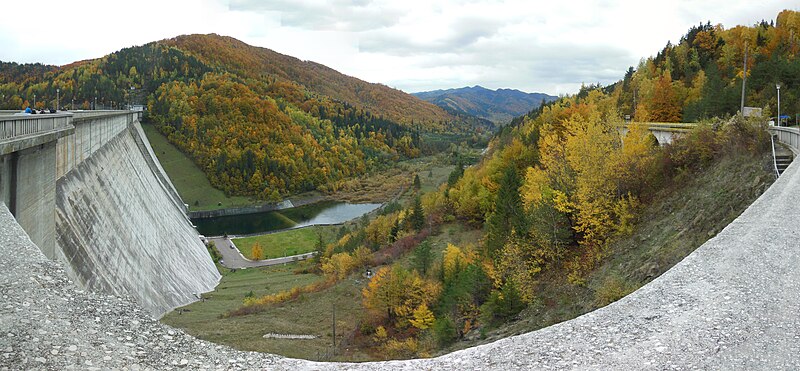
[{"x": 255, "y": 209}]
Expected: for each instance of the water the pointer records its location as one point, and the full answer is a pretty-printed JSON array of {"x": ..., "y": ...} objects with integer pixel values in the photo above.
[{"x": 315, "y": 214}]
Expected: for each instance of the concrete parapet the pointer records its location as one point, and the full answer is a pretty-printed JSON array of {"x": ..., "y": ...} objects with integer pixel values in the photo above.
[
  {"x": 93, "y": 129},
  {"x": 787, "y": 136}
]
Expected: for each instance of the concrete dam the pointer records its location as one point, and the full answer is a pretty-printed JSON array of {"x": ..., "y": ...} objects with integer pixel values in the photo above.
[
  {"x": 90, "y": 193},
  {"x": 731, "y": 304}
]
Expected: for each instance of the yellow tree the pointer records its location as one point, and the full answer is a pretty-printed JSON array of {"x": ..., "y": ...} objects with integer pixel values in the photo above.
[
  {"x": 423, "y": 317},
  {"x": 338, "y": 266},
  {"x": 256, "y": 252},
  {"x": 396, "y": 292}
]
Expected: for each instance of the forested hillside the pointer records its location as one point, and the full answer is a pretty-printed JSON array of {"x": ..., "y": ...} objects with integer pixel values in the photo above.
[
  {"x": 701, "y": 76},
  {"x": 561, "y": 193},
  {"x": 258, "y": 123},
  {"x": 498, "y": 106},
  {"x": 254, "y": 62}
]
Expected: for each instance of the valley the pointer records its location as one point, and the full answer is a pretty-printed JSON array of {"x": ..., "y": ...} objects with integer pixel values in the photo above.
[{"x": 412, "y": 225}]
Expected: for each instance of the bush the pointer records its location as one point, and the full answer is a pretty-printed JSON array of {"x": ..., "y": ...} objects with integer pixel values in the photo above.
[
  {"x": 502, "y": 305},
  {"x": 612, "y": 289},
  {"x": 444, "y": 331}
]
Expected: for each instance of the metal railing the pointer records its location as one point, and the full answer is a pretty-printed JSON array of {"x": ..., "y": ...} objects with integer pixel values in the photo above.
[
  {"x": 774, "y": 157},
  {"x": 787, "y": 136},
  {"x": 22, "y": 125}
]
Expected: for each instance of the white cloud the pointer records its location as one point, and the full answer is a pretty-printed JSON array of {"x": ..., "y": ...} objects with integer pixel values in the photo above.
[{"x": 413, "y": 45}]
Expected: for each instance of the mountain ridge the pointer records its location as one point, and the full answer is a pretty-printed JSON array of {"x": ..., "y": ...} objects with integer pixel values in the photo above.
[{"x": 254, "y": 61}]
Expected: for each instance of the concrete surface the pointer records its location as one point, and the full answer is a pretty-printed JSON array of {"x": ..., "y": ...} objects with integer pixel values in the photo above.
[{"x": 120, "y": 231}]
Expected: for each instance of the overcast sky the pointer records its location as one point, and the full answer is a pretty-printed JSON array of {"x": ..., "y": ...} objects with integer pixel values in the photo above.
[{"x": 536, "y": 46}]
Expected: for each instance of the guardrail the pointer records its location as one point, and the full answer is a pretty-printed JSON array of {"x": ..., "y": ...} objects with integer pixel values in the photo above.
[
  {"x": 22, "y": 125},
  {"x": 788, "y": 136}
]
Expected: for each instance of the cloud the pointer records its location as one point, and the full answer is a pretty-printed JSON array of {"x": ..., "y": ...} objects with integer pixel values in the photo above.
[
  {"x": 336, "y": 15},
  {"x": 413, "y": 45}
]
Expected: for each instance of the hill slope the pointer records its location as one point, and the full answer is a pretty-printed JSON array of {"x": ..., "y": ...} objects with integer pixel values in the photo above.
[
  {"x": 498, "y": 106},
  {"x": 258, "y": 123},
  {"x": 252, "y": 61}
]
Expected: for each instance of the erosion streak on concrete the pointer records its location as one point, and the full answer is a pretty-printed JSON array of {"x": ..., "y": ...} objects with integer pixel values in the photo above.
[{"x": 120, "y": 230}]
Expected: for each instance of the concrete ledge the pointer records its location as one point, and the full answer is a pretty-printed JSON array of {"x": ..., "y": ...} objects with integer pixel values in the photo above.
[{"x": 28, "y": 141}]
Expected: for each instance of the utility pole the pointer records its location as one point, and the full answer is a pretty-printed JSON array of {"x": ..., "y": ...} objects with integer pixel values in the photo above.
[
  {"x": 744, "y": 77},
  {"x": 778, "y": 85},
  {"x": 333, "y": 305}
]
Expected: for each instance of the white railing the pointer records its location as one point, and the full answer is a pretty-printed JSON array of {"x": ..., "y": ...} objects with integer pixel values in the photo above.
[
  {"x": 18, "y": 126},
  {"x": 787, "y": 136}
]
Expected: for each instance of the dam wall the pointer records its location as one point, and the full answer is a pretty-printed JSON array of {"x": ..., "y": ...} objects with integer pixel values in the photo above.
[
  {"x": 89, "y": 192},
  {"x": 119, "y": 227}
]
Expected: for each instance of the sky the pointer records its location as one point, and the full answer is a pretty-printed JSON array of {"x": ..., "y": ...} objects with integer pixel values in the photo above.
[{"x": 549, "y": 46}]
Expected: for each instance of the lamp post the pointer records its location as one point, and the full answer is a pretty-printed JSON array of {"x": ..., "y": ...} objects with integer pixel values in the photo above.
[
  {"x": 34, "y": 100},
  {"x": 778, "y": 85},
  {"x": 58, "y": 92}
]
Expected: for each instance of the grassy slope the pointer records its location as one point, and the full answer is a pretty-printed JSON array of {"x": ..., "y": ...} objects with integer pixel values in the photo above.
[
  {"x": 189, "y": 180},
  {"x": 680, "y": 219},
  {"x": 309, "y": 315},
  {"x": 286, "y": 243}
]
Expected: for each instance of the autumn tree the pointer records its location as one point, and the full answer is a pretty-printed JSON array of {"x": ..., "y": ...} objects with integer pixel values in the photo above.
[
  {"x": 256, "y": 252},
  {"x": 665, "y": 106},
  {"x": 395, "y": 293}
]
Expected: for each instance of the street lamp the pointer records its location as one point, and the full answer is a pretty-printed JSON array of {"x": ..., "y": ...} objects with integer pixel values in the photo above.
[
  {"x": 58, "y": 91},
  {"x": 778, "y": 85},
  {"x": 34, "y": 100}
]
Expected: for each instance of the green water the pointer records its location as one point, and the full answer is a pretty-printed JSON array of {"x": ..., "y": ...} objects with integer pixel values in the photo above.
[{"x": 314, "y": 214}]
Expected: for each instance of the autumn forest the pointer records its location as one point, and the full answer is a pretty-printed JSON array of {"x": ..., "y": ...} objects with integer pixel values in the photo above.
[{"x": 551, "y": 207}]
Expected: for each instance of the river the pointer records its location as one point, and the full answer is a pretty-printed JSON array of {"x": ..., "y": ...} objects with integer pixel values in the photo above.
[{"x": 315, "y": 214}]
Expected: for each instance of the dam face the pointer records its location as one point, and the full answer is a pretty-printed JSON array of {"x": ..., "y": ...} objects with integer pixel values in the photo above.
[
  {"x": 121, "y": 232},
  {"x": 95, "y": 198}
]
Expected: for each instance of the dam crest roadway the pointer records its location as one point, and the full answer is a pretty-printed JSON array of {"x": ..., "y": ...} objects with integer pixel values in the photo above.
[{"x": 731, "y": 304}]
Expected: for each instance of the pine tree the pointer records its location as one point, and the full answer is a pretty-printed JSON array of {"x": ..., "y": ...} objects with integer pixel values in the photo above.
[
  {"x": 417, "y": 184},
  {"x": 507, "y": 215},
  {"x": 417, "y": 217}
]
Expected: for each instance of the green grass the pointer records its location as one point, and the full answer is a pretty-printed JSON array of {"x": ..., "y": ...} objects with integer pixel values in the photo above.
[
  {"x": 191, "y": 183},
  {"x": 287, "y": 243},
  {"x": 308, "y": 315}
]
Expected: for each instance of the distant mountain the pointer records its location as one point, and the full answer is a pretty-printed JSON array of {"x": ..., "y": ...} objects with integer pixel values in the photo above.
[{"x": 498, "y": 106}]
